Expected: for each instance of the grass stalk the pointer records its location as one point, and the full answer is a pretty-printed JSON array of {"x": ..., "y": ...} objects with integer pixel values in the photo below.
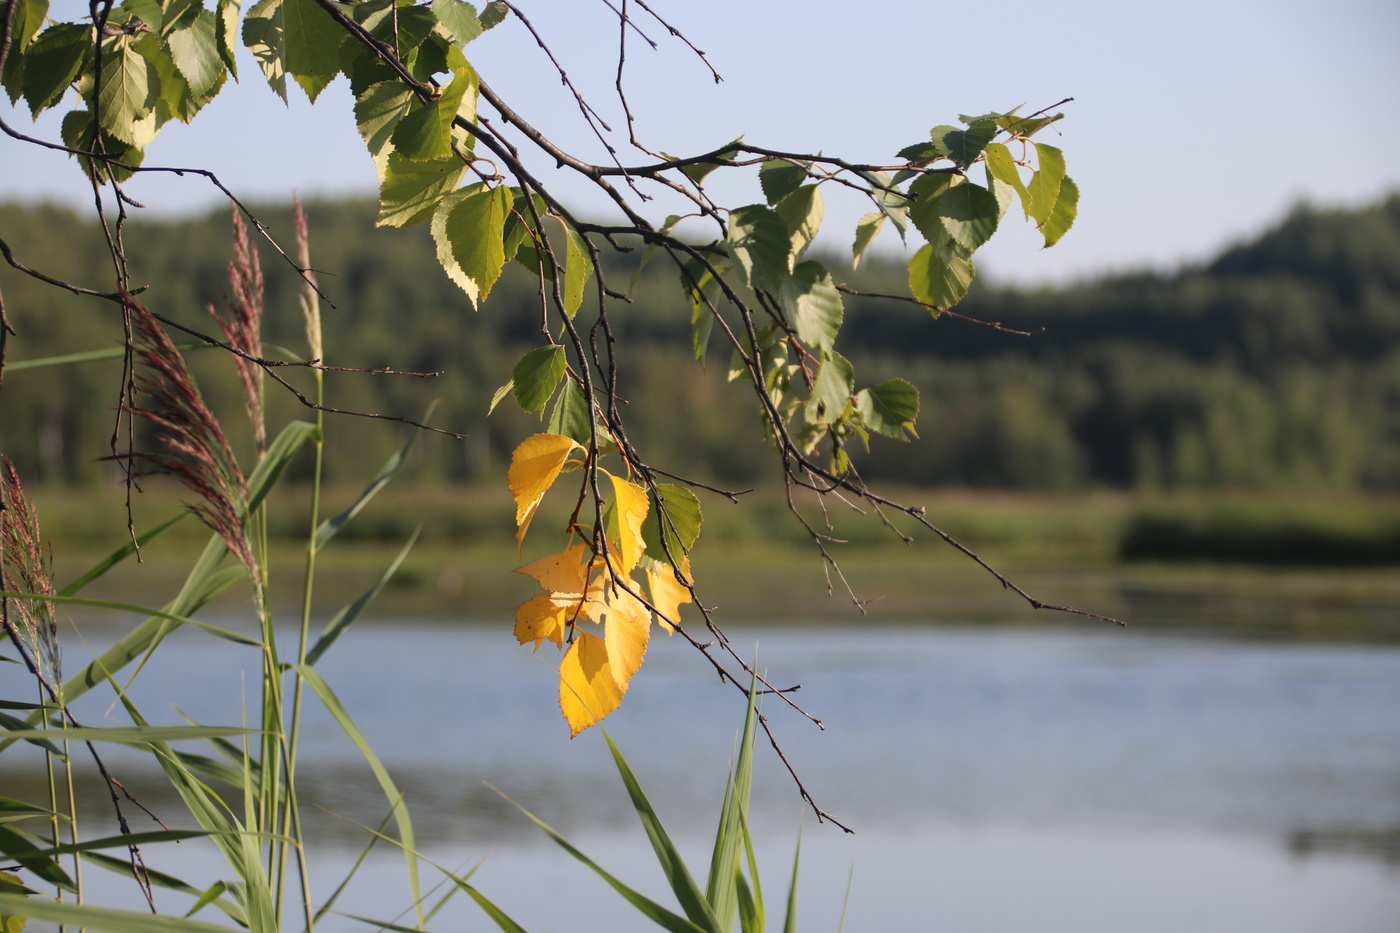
[{"x": 291, "y": 826}]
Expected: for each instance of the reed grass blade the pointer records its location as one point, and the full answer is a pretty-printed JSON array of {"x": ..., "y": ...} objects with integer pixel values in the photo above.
[
  {"x": 346, "y": 617},
  {"x": 688, "y": 893},
  {"x": 107, "y": 919}
]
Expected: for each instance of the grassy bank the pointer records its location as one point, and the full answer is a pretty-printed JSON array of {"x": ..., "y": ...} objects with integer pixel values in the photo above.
[
  {"x": 755, "y": 563},
  {"x": 1072, "y": 528}
]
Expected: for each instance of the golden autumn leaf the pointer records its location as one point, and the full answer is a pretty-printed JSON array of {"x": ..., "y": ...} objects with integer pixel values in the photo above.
[
  {"x": 534, "y": 466},
  {"x": 667, "y": 593},
  {"x": 541, "y": 617},
  {"x": 631, "y": 506},
  {"x": 560, "y": 573},
  {"x": 587, "y": 689},
  {"x": 626, "y": 630},
  {"x": 564, "y": 576}
]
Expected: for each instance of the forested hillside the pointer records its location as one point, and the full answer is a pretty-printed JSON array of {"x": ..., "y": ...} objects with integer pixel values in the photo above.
[{"x": 1277, "y": 364}]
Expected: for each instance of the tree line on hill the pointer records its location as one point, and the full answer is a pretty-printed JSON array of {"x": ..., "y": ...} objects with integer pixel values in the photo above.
[{"x": 1275, "y": 365}]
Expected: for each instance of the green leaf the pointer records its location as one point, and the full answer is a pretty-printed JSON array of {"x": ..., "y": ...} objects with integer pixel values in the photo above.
[
  {"x": 578, "y": 269},
  {"x": 459, "y": 18},
  {"x": 802, "y": 209},
  {"x": 889, "y": 408},
  {"x": 831, "y": 390},
  {"x": 377, "y": 112},
  {"x": 812, "y": 304},
  {"x": 1027, "y": 126},
  {"x": 680, "y": 525},
  {"x": 893, "y": 204},
  {"x": 53, "y": 62},
  {"x": 494, "y": 13},
  {"x": 177, "y": 101},
  {"x": 312, "y": 44},
  {"x": 195, "y": 51},
  {"x": 963, "y": 213},
  {"x": 991, "y": 117},
  {"x": 401, "y": 26},
  {"x": 964, "y": 146},
  {"x": 28, "y": 20},
  {"x": 425, "y": 131},
  {"x": 703, "y": 290},
  {"x": 937, "y": 282},
  {"x": 866, "y": 229},
  {"x": 1062, "y": 216},
  {"x": 922, "y": 152},
  {"x": 265, "y": 38},
  {"x": 570, "y": 417},
  {"x": 468, "y": 227},
  {"x": 1002, "y": 167},
  {"x": 1044, "y": 188},
  {"x": 500, "y": 395},
  {"x": 699, "y": 170},
  {"x": 150, "y": 12},
  {"x": 227, "y": 20},
  {"x": 779, "y": 178},
  {"x": 78, "y": 132},
  {"x": 128, "y": 93},
  {"x": 1004, "y": 193},
  {"x": 536, "y": 376},
  {"x": 411, "y": 190},
  {"x": 760, "y": 243}
]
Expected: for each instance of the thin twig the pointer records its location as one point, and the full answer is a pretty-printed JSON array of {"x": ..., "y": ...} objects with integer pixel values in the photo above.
[{"x": 994, "y": 325}]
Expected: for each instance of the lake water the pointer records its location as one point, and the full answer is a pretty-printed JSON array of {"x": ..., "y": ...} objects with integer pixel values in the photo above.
[{"x": 1057, "y": 778}]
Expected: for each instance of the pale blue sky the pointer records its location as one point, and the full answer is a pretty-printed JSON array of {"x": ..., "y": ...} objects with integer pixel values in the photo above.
[{"x": 1195, "y": 124}]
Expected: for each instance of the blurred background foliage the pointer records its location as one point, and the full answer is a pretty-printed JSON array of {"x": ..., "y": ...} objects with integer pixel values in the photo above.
[{"x": 1273, "y": 370}]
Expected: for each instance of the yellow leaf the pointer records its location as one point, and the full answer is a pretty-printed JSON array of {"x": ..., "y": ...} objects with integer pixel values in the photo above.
[
  {"x": 667, "y": 593},
  {"x": 534, "y": 466},
  {"x": 587, "y": 689},
  {"x": 561, "y": 573},
  {"x": 540, "y": 617},
  {"x": 626, "y": 630},
  {"x": 631, "y": 505},
  {"x": 564, "y": 575}
]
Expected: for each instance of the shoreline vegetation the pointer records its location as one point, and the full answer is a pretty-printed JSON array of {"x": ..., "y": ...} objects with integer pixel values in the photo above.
[
  {"x": 1292, "y": 576},
  {"x": 1275, "y": 366},
  {"x": 1216, "y": 447}
]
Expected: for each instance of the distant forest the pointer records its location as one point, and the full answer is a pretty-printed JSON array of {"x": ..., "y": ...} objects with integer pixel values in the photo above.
[{"x": 1275, "y": 365}]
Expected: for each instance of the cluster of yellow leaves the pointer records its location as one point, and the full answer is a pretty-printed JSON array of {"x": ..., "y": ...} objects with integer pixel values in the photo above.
[{"x": 591, "y": 581}]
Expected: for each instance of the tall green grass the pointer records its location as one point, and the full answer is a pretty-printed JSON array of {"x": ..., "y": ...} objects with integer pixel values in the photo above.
[{"x": 237, "y": 782}]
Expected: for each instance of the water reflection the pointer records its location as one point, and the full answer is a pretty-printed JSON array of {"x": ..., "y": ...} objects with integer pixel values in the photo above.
[{"x": 940, "y": 742}]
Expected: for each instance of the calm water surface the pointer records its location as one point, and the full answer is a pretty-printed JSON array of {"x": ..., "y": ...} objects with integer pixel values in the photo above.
[{"x": 999, "y": 778}]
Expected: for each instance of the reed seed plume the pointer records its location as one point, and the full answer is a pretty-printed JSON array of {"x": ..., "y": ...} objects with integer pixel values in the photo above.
[
  {"x": 24, "y": 569},
  {"x": 310, "y": 301},
  {"x": 242, "y": 323},
  {"x": 192, "y": 445}
]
